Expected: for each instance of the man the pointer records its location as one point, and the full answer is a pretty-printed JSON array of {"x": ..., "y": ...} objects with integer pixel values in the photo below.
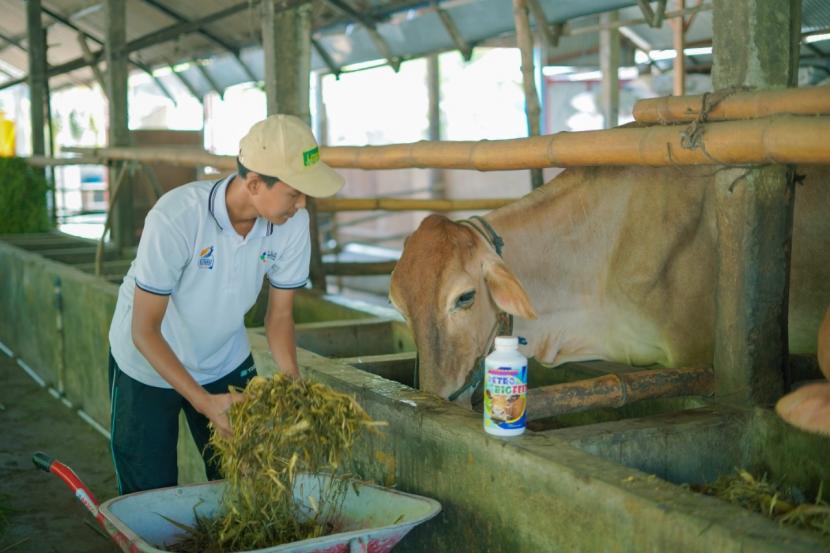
[{"x": 177, "y": 337}]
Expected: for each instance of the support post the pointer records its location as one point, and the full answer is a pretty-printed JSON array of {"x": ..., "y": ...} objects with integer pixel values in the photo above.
[
  {"x": 434, "y": 91},
  {"x": 37, "y": 76},
  {"x": 524, "y": 39},
  {"x": 609, "y": 62},
  {"x": 115, "y": 51},
  {"x": 755, "y": 45},
  {"x": 286, "y": 42},
  {"x": 679, "y": 40}
]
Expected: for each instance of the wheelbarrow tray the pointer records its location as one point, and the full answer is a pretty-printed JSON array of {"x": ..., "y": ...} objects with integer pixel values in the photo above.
[{"x": 373, "y": 518}]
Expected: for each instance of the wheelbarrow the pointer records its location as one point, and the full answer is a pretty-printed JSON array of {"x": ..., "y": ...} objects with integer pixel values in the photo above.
[{"x": 373, "y": 518}]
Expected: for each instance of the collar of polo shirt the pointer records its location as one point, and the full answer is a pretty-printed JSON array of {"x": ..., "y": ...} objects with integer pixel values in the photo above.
[{"x": 218, "y": 208}]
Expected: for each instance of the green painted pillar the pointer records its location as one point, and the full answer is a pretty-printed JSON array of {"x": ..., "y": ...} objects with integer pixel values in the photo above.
[
  {"x": 37, "y": 75},
  {"x": 755, "y": 45}
]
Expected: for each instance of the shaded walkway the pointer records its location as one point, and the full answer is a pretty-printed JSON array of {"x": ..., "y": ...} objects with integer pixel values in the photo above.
[{"x": 41, "y": 513}]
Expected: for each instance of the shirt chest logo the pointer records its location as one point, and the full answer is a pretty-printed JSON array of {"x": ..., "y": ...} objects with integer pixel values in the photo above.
[
  {"x": 268, "y": 256},
  {"x": 206, "y": 258}
]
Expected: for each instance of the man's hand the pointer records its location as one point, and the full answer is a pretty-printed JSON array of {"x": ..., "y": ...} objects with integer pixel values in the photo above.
[{"x": 215, "y": 408}]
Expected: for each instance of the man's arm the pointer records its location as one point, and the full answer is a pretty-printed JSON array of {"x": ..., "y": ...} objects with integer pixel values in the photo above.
[
  {"x": 148, "y": 312},
  {"x": 279, "y": 328}
]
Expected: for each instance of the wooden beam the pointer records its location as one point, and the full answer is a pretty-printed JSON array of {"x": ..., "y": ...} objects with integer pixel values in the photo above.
[
  {"x": 370, "y": 25},
  {"x": 659, "y": 14},
  {"x": 452, "y": 29},
  {"x": 400, "y": 204},
  {"x": 157, "y": 37},
  {"x": 648, "y": 13},
  {"x": 334, "y": 69},
  {"x": 359, "y": 268},
  {"x": 187, "y": 84},
  {"x": 93, "y": 64},
  {"x": 787, "y": 139},
  {"x": 92, "y": 58},
  {"x": 814, "y": 100},
  {"x": 230, "y": 48},
  {"x": 210, "y": 80},
  {"x": 617, "y": 390},
  {"x": 589, "y": 29}
]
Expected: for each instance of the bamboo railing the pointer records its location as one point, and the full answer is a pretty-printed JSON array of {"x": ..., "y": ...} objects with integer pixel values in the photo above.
[
  {"x": 780, "y": 139},
  {"x": 725, "y": 105},
  {"x": 400, "y": 204},
  {"x": 777, "y": 139}
]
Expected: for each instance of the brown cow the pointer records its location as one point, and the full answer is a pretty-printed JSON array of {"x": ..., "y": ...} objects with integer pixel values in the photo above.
[{"x": 601, "y": 263}]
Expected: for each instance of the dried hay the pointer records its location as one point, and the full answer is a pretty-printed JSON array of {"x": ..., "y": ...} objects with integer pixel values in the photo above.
[
  {"x": 283, "y": 427},
  {"x": 776, "y": 501}
]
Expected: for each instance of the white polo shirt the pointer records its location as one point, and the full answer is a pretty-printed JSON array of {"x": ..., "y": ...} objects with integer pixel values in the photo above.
[{"x": 190, "y": 251}]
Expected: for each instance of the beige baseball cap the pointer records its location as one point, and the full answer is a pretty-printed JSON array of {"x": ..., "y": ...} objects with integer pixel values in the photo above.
[{"x": 282, "y": 146}]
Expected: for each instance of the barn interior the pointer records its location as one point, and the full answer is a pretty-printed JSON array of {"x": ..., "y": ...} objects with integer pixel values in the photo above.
[{"x": 456, "y": 107}]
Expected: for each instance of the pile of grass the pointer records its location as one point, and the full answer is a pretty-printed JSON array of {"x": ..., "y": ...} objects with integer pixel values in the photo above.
[
  {"x": 23, "y": 193},
  {"x": 776, "y": 501},
  {"x": 283, "y": 428}
]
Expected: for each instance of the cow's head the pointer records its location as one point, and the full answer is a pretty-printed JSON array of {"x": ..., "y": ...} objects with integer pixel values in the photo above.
[{"x": 450, "y": 285}]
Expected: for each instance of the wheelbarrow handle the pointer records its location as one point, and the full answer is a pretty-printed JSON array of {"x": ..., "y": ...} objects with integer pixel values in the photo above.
[
  {"x": 47, "y": 464},
  {"x": 42, "y": 461},
  {"x": 84, "y": 495}
]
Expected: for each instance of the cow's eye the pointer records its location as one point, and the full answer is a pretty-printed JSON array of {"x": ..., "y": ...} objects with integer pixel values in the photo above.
[{"x": 465, "y": 300}]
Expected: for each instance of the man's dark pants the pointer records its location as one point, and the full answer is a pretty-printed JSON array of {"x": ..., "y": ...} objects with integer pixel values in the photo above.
[{"x": 145, "y": 428}]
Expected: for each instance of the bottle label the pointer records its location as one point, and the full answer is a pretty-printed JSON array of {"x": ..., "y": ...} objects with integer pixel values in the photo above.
[{"x": 505, "y": 397}]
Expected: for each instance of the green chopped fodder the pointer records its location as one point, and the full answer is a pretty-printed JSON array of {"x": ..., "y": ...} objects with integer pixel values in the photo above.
[
  {"x": 776, "y": 501},
  {"x": 283, "y": 428}
]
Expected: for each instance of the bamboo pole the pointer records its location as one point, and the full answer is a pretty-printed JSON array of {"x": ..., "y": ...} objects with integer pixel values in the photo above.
[
  {"x": 46, "y": 161},
  {"x": 616, "y": 390},
  {"x": 168, "y": 155},
  {"x": 390, "y": 204},
  {"x": 738, "y": 105},
  {"x": 356, "y": 268},
  {"x": 779, "y": 139}
]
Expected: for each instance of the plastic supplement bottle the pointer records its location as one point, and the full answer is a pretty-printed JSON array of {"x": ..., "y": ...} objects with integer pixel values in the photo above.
[{"x": 505, "y": 388}]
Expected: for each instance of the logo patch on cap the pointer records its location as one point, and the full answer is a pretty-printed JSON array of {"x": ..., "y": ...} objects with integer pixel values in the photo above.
[{"x": 312, "y": 156}]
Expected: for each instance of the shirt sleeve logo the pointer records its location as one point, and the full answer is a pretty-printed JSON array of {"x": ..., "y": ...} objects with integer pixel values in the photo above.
[
  {"x": 268, "y": 256},
  {"x": 206, "y": 258}
]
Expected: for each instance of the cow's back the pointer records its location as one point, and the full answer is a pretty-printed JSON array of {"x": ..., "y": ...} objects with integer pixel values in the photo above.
[{"x": 641, "y": 243}]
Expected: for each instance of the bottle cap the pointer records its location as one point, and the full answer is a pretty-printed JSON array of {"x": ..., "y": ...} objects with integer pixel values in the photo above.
[{"x": 507, "y": 342}]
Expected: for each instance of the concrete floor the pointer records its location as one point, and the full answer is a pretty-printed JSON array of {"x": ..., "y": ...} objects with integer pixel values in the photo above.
[{"x": 41, "y": 513}]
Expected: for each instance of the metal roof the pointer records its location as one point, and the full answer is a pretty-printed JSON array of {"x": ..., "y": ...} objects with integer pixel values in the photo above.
[{"x": 227, "y": 51}]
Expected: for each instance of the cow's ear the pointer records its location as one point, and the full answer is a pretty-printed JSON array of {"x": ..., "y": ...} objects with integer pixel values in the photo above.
[{"x": 506, "y": 290}]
